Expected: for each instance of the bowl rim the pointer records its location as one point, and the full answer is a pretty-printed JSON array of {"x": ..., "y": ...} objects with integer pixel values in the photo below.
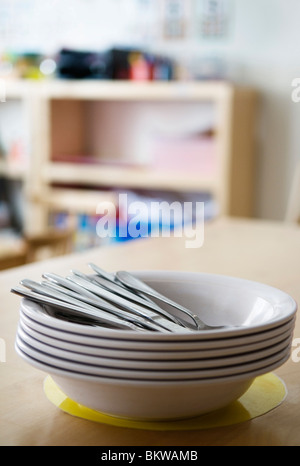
[
  {"x": 150, "y": 374},
  {"x": 284, "y": 299},
  {"x": 138, "y": 353},
  {"x": 149, "y": 364},
  {"x": 157, "y": 345},
  {"x": 53, "y": 371}
]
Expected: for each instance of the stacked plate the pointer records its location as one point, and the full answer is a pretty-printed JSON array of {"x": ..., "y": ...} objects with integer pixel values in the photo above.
[{"x": 164, "y": 376}]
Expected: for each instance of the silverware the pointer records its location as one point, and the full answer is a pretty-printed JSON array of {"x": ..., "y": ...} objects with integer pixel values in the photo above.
[
  {"x": 120, "y": 290},
  {"x": 94, "y": 306},
  {"x": 118, "y": 300},
  {"x": 70, "y": 312},
  {"x": 135, "y": 284},
  {"x": 80, "y": 291},
  {"x": 112, "y": 279},
  {"x": 123, "y": 303},
  {"x": 102, "y": 273}
]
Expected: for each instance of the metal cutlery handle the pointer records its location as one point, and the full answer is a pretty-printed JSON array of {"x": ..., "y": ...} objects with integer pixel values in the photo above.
[
  {"x": 94, "y": 307},
  {"x": 134, "y": 283},
  {"x": 134, "y": 308},
  {"x": 71, "y": 309},
  {"x": 120, "y": 290}
]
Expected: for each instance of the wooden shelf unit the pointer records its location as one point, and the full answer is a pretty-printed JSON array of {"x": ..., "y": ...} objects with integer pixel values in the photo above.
[
  {"x": 136, "y": 178},
  {"x": 50, "y": 104},
  {"x": 12, "y": 172}
]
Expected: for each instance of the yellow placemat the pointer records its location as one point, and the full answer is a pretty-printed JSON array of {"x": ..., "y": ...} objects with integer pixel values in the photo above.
[{"x": 266, "y": 393}]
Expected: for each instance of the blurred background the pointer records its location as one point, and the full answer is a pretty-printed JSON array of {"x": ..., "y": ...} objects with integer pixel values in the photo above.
[{"x": 186, "y": 100}]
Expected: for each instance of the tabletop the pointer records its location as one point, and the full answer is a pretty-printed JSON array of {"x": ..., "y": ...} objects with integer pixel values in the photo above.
[{"x": 264, "y": 251}]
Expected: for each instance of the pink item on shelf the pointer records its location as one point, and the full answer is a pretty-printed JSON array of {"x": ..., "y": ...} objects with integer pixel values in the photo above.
[
  {"x": 184, "y": 154},
  {"x": 17, "y": 154}
]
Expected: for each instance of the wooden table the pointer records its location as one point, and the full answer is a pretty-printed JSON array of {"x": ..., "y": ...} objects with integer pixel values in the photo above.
[{"x": 263, "y": 251}]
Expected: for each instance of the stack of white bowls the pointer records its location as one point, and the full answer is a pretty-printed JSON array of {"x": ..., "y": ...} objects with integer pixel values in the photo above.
[{"x": 166, "y": 376}]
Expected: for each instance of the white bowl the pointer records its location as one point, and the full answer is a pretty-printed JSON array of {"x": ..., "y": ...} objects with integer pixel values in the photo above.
[
  {"x": 254, "y": 315},
  {"x": 144, "y": 374},
  {"x": 134, "y": 354},
  {"x": 28, "y": 314},
  {"x": 158, "y": 365},
  {"x": 243, "y": 306},
  {"x": 150, "y": 400}
]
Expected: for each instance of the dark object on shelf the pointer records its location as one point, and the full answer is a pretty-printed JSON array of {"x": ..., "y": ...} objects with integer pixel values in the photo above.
[
  {"x": 120, "y": 63},
  {"x": 74, "y": 64},
  {"x": 114, "y": 64},
  {"x": 11, "y": 197}
]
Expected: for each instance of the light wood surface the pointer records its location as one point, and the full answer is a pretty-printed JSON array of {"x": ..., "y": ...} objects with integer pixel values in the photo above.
[
  {"x": 13, "y": 171},
  {"x": 263, "y": 251},
  {"x": 122, "y": 90},
  {"x": 127, "y": 177},
  {"x": 293, "y": 207}
]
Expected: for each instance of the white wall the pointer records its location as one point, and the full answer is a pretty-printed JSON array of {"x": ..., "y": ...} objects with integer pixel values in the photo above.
[{"x": 262, "y": 49}]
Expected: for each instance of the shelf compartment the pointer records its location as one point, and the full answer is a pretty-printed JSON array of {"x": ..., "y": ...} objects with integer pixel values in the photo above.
[
  {"x": 122, "y": 132},
  {"x": 13, "y": 172},
  {"x": 75, "y": 201},
  {"x": 125, "y": 177},
  {"x": 133, "y": 90}
]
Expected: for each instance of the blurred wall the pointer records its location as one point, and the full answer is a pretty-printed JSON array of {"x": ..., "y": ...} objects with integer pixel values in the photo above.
[{"x": 260, "y": 48}]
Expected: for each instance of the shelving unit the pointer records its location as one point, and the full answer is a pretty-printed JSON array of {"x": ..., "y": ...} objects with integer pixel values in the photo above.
[
  {"x": 12, "y": 172},
  {"x": 66, "y": 118}
]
